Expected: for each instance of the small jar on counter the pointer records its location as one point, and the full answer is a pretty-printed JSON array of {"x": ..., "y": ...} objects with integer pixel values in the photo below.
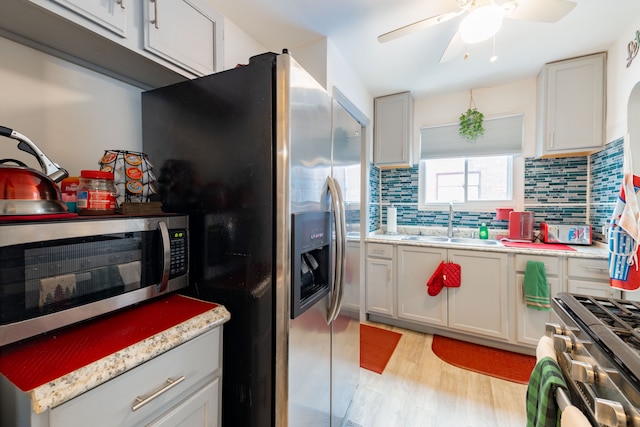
[{"x": 96, "y": 193}]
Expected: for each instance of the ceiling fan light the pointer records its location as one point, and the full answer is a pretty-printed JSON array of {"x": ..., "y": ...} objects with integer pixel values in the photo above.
[{"x": 481, "y": 23}]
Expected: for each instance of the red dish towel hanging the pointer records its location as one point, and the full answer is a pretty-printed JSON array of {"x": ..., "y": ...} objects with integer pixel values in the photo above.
[{"x": 446, "y": 274}]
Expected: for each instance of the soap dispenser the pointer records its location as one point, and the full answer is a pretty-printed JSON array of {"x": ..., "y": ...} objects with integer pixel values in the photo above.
[{"x": 484, "y": 232}]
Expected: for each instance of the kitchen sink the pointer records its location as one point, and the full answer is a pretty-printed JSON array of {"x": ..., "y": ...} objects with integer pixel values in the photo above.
[
  {"x": 476, "y": 242},
  {"x": 455, "y": 240},
  {"x": 427, "y": 238}
]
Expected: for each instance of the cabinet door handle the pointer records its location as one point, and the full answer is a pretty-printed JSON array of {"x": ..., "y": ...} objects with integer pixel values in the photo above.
[
  {"x": 154, "y": 21},
  {"x": 121, "y": 3},
  {"x": 141, "y": 401}
]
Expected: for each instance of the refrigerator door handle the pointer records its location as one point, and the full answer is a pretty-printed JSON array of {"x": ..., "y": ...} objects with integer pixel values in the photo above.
[
  {"x": 340, "y": 227},
  {"x": 343, "y": 244}
]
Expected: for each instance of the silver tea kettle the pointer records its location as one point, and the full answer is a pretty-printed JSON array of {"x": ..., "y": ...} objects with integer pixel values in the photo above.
[{"x": 25, "y": 191}]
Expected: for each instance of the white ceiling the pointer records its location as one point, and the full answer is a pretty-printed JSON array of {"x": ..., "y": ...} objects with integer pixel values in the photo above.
[{"x": 412, "y": 62}]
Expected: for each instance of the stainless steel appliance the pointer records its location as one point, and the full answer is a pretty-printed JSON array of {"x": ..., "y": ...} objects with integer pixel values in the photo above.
[
  {"x": 56, "y": 273},
  {"x": 257, "y": 156},
  {"x": 597, "y": 343},
  {"x": 573, "y": 234}
]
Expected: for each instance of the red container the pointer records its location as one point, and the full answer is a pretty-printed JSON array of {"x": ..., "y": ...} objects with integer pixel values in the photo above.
[{"x": 503, "y": 213}]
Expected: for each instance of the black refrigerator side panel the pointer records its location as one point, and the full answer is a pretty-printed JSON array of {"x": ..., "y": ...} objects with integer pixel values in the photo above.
[{"x": 211, "y": 141}]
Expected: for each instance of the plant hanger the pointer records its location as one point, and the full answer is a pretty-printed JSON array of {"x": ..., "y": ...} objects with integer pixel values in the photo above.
[{"x": 471, "y": 121}]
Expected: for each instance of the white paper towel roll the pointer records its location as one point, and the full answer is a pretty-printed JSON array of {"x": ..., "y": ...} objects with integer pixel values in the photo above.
[{"x": 392, "y": 221}]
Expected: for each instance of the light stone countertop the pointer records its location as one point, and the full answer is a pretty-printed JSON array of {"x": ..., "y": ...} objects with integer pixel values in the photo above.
[
  {"x": 595, "y": 251},
  {"x": 66, "y": 387}
]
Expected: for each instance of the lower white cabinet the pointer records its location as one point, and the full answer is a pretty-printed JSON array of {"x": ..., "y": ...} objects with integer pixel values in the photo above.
[
  {"x": 416, "y": 264},
  {"x": 480, "y": 305},
  {"x": 200, "y": 409},
  {"x": 490, "y": 300},
  {"x": 181, "y": 387},
  {"x": 380, "y": 283},
  {"x": 590, "y": 277},
  {"x": 530, "y": 323}
]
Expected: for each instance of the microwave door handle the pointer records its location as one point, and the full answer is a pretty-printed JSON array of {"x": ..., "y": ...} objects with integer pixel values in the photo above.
[{"x": 166, "y": 255}]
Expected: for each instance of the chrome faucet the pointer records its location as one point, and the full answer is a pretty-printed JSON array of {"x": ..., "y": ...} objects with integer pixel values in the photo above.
[{"x": 450, "y": 227}]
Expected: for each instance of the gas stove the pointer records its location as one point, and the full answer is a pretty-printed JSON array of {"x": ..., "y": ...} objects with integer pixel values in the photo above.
[{"x": 597, "y": 343}]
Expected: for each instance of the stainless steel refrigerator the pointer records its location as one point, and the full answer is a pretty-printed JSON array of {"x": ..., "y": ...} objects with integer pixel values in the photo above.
[{"x": 258, "y": 156}]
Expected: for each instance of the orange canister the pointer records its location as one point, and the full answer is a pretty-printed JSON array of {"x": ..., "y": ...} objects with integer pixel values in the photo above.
[{"x": 96, "y": 193}]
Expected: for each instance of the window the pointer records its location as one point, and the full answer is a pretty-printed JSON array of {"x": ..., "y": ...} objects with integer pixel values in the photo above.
[
  {"x": 482, "y": 175},
  {"x": 466, "y": 180}
]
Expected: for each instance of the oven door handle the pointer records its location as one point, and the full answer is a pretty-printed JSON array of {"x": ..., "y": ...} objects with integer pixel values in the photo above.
[{"x": 166, "y": 255}]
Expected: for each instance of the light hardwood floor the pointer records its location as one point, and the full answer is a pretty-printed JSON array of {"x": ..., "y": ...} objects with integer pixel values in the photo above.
[{"x": 417, "y": 389}]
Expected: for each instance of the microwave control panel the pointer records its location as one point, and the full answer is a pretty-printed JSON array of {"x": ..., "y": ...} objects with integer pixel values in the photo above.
[{"x": 179, "y": 252}]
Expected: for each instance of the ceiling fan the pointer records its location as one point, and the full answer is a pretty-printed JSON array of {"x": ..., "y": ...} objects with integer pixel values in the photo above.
[{"x": 483, "y": 19}]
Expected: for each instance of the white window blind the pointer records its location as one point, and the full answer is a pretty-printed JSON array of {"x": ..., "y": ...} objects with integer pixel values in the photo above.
[{"x": 502, "y": 136}]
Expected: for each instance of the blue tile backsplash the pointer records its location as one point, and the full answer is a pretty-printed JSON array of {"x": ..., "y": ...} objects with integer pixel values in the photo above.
[{"x": 569, "y": 189}]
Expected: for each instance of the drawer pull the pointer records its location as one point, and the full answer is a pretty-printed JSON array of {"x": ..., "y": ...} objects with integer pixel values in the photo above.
[
  {"x": 141, "y": 401},
  {"x": 588, "y": 267}
]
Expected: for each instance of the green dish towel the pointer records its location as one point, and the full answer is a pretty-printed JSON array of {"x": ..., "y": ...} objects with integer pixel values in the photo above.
[
  {"x": 536, "y": 288},
  {"x": 542, "y": 408}
]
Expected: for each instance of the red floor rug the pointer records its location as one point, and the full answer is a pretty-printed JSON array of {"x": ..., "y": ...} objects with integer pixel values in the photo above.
[
  {"x": 376, "y": 347},
  {"x": 497, "y": 363}
]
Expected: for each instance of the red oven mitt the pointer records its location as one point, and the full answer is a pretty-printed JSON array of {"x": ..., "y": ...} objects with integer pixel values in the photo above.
[
  {"x": 435, "y": 282},
  {"x": 451, "y": 274}
]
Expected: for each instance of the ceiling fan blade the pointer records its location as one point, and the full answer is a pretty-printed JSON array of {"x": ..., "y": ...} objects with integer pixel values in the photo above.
[
  {"x": 540, "y": 10},
  {"x": 419, "y": 25},
  {"x": 454, "y": 48}
]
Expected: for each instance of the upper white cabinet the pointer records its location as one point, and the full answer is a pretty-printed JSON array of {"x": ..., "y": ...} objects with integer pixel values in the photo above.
[
  {"x": 149, "y": 43},
  {"x": 393, "y": 130},
  {"x": 111, "y": 15},
  {"x": 181, "y": 33},
  {"x": 571, "y": 106}
]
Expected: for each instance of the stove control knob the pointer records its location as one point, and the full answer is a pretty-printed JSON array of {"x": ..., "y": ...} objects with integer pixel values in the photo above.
[
  {"x": 609, "y": 413},
  {"x": 552, "y": 329},
  {"x": 583, "y": 372},
  {"x": 562, "y": 343}
]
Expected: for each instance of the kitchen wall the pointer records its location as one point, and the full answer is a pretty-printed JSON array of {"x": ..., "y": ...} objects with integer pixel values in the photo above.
[
  {"x": 570, "y": 189},
  {"x": 71, "y": 113}
]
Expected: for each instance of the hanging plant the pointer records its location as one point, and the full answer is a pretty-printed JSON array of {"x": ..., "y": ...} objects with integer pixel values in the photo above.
[{"x": 471, "y": 121}]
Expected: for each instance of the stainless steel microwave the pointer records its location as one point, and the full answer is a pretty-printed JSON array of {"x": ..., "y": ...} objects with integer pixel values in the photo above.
[{"x": 56, "y": 273}]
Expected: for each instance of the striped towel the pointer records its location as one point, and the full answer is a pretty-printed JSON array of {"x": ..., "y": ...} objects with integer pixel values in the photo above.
[
  {"x": 542, "y": 408},
  {"x": 536, "y": 288}
]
